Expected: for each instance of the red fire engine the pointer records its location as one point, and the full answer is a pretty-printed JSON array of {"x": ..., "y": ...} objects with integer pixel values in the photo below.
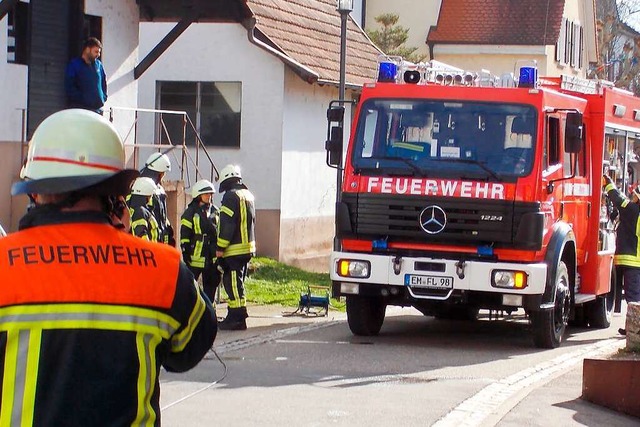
[{"x": 462, "y": 192}]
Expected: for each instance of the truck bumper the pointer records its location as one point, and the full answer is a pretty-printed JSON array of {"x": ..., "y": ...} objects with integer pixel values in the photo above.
[{"x": 407, "y": 279}]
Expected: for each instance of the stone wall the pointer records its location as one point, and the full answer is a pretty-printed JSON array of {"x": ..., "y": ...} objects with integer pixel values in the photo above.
[{"x": 633, "y": 326}]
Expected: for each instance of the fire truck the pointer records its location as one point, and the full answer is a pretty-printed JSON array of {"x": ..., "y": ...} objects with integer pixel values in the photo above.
[{"x": 462, "y": 191}]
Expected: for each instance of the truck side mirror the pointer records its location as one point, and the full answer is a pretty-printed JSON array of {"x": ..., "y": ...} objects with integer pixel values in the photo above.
[
  {"x": 334, "y": 146},
  {"x": 573, "y": 133},
  {"x": 335, "y": 114}
]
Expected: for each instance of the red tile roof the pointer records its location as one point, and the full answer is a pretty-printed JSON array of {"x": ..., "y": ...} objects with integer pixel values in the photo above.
[
  {"x": 308, "y": 32},
  {"x": 503, "y": 22}
]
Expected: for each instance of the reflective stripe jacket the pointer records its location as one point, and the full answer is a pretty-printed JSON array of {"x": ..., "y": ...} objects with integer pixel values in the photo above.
[
  {"x": 88, "y": 315},
  {"x": 158, "y": 208},
  {"x": 236, "y": 232},
  {"x": 627, "y": 249},
  {"x": 143, "y": 223},
  {"x": 198, "y": 232}
]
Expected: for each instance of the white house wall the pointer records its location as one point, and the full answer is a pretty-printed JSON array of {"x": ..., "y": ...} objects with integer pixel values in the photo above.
[
  {"x": 308, "y": 184},
  {"x": 223, "y": 53},
  {"x": 13, "y": 91},
  {"x": 119, "y": 54},
  {"x": 13, "y": 102},
  {"x": 120, "y": 38}
]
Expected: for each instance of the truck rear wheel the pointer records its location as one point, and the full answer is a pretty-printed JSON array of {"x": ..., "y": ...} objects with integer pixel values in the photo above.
[
  {"x": 365, "y": 315},
  {"x": 549, "y": 325}
]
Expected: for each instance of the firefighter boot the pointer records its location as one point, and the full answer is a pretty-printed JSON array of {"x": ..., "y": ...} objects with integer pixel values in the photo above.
[{"x": 235, "y": 320}]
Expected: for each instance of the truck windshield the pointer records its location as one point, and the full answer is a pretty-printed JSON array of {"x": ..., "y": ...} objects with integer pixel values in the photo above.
[{"x": 445, "y": 138}]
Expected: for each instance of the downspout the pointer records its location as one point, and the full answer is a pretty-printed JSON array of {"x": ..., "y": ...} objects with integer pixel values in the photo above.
[{"x": 306, "y": 73}]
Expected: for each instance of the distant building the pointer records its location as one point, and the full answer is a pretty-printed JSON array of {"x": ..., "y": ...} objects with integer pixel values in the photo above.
[
  {"x": 259, "y": 92},
  {"x": 560, "y": 35}
]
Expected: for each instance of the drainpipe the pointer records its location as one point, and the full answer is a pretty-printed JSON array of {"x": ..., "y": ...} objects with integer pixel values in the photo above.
[{"x": 306, "y": 73}]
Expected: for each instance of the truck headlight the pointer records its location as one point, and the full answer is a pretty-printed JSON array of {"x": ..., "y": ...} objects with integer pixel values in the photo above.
[
  {"x": 509, "y": 279},
  {"x": 354, "y": 268}
]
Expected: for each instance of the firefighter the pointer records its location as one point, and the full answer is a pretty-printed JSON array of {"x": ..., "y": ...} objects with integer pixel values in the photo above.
[
  {"x": 236, "y": 243},
  {"x": 156, "y": 166},
  {"x": 143, "y": 223},
  {"x": 198, "y": 233},
  {"x": 627, "y": 256},
  {"x": 89, "y": 314}
]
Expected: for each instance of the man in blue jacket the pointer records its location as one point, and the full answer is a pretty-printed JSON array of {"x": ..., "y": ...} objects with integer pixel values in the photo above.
[{"x": 85, "y": 81}]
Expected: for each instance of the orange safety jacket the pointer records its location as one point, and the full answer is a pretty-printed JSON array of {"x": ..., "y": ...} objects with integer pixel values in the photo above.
[{"x": 88, "y": 315}]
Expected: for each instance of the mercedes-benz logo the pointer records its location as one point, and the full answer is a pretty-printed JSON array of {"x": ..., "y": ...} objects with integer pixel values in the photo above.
[{"x": 433, "y": 219}]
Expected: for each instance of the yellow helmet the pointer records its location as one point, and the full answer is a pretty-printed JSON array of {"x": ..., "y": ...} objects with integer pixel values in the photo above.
[{"x": 75, "y": 149}]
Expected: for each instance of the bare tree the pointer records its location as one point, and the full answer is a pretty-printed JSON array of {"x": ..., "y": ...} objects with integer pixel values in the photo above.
[{"x": 618, "y": 43}]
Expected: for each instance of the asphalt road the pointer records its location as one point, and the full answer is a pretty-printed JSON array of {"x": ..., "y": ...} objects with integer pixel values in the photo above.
[{"x": 419, "y": 371}]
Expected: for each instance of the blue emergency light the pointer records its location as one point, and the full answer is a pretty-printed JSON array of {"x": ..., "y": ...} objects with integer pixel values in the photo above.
[
  {"x": 485, "y": 250},
  {"x": 387, "y": 72},
  {"x": 528, "y": 77},
  {"x": 379, "y": 244}
]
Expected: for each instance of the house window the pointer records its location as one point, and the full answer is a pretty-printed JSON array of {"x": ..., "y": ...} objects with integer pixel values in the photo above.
[
  {"x": 570, "y": 45},
  {"x": 17, "y": 25},
  {"x": 214, "y": 109}
]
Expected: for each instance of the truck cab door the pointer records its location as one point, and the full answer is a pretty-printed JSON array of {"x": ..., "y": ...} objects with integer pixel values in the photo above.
[
  {"x": 577, "y": 196},
  {"x": 552, "y": 192}
]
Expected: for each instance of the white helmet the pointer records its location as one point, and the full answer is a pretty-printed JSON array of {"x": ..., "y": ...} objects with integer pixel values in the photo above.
[
  {"x": 158, "y": 162},
  {"x": 230, "y": 171},
  {"x": 75, "y": 149},
  {"x": 143, "y": 186},
  {"x": 202, "y": 187}
]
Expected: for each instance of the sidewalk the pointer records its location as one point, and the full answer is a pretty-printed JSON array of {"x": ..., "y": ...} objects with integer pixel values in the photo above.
[{"x": 556, "y": 401}]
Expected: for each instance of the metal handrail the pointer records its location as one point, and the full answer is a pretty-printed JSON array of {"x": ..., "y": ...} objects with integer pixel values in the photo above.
[{"x": 161, "y": 130}]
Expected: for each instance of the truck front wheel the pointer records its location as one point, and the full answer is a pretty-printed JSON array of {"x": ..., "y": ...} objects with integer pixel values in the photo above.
[
  {"x": 549, "y": 325},
  {"x": 365, "y": 315}
]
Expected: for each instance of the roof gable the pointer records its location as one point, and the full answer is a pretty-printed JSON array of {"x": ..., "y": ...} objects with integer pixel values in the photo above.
[
  {"x": 501, "y": 22},
  {"x": 308, "y": 31}
]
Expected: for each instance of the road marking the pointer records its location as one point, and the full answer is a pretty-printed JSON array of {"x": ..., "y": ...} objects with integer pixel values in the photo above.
[
  {"x": 272, "y": 336},
  {"x": 490, "y": 400}
]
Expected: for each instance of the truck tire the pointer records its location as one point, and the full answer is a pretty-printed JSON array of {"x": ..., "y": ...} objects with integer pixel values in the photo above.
[
  {"x": 599, "y": 311},
  {"x": 549, "y": 325},
  {"x": 365, "y": 315}
]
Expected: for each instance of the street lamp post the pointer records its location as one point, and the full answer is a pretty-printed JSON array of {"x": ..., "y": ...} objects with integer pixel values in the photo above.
[{"x": 344, "y": 8}]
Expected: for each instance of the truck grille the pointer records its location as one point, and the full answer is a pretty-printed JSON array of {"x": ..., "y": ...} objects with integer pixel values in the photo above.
[{"x": 469, "y": 221}]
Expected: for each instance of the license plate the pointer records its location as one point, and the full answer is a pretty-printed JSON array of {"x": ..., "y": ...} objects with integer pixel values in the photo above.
[{"x": 432, "y": 282}]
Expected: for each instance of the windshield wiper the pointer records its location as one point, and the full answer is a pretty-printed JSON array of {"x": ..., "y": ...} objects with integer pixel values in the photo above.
[
  {"x": 484, "y": 167},
  {"x": 409, "y": 162}
]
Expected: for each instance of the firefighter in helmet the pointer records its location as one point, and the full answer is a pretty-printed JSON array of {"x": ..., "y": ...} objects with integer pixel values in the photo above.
[
  {"x": 198, "y": 233},
  {"x": 82, "y": 303},
  {"x": 143, "y": 223},
  {"x": 236, "y": 243},
  {"x": 627, "y": 256},
  {"x": 156, "y": 166}
]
